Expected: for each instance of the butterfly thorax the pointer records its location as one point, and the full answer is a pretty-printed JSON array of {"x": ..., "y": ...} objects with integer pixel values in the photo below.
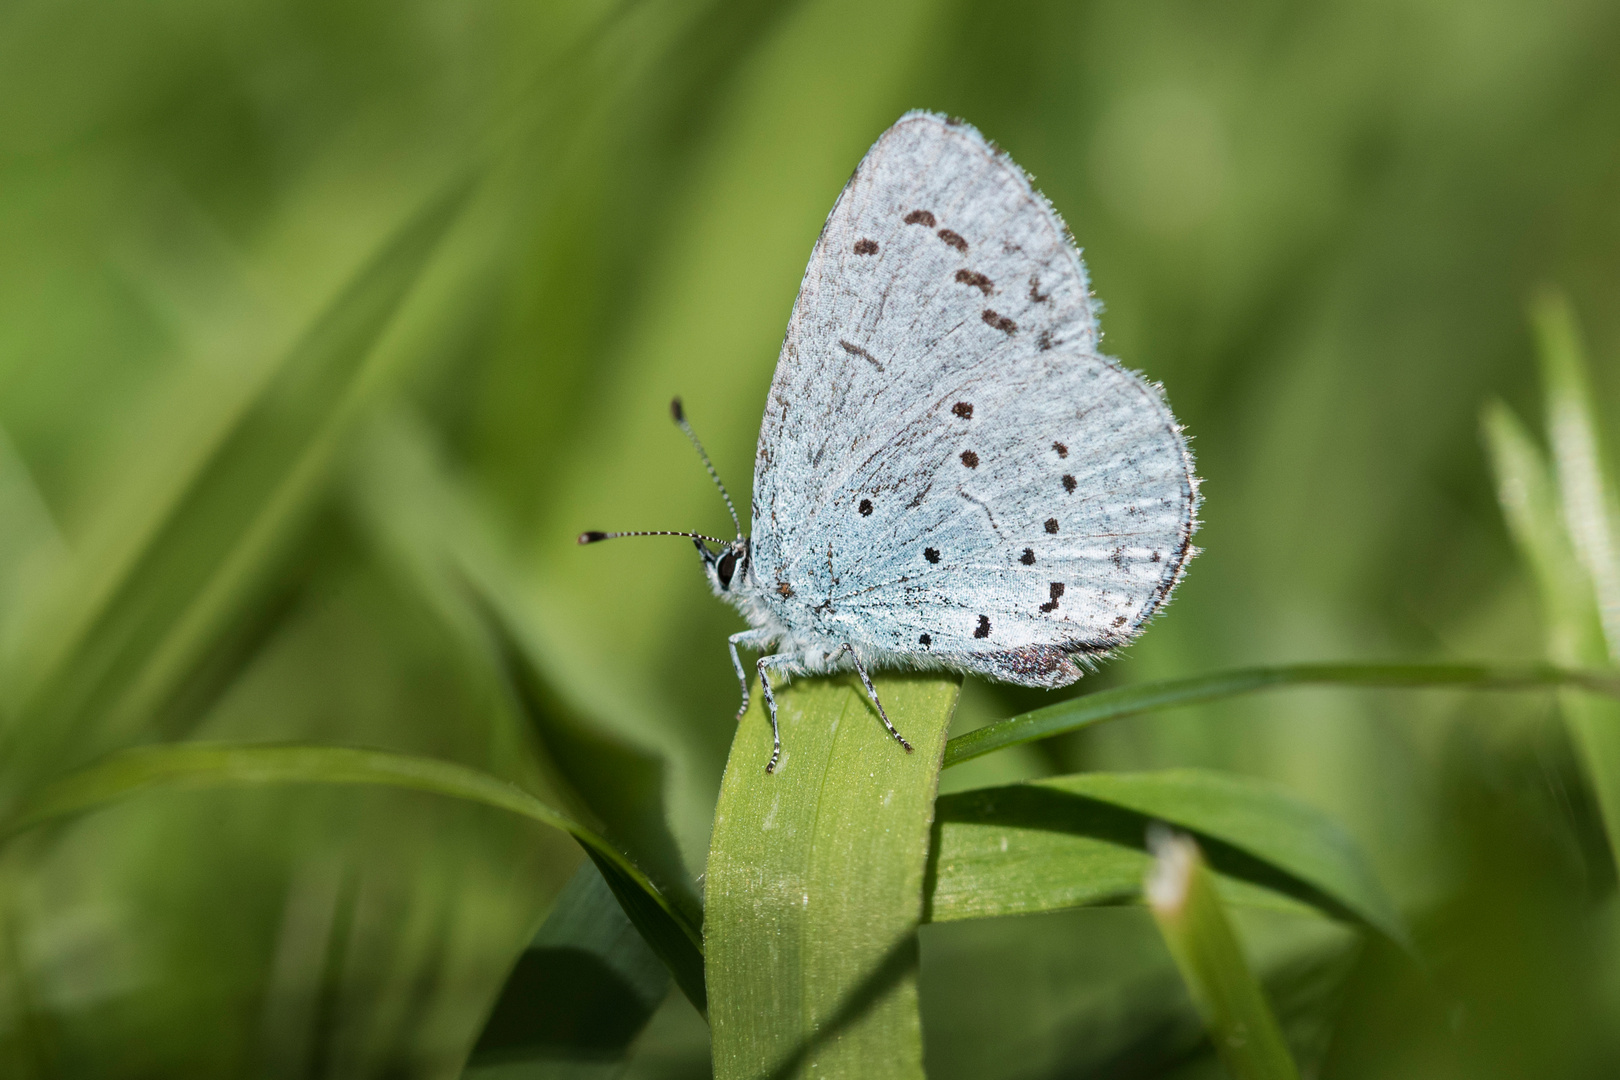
[{"x": 811, "y": 639}]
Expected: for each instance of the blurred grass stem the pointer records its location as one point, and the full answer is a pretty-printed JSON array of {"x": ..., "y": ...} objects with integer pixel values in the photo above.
[
  {"x": 1181, "y": 894},
  {"x": 1081, "y": 712}
]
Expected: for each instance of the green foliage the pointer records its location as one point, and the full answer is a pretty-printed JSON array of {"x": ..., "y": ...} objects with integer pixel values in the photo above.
[
  {"x": 1078, "y": 713},
  {"x": 578, "y": 995},
  {"x": 324, "y": 330},
  {"x": 1181, "y": 892},
  {"x": 815, "y": 883},
  {"x": 1583, "y": 603},
  {"x": 101, "y": 672},
  {"x": 201, "y": 765},
  {"x": 1073, "y": 840}
]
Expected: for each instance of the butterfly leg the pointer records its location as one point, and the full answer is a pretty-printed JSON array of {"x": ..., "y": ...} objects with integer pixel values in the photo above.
[
  {"x": 749, "y": 639},
  {"x": 871, "y": 692},
  {"x": 765, "y": 662}
]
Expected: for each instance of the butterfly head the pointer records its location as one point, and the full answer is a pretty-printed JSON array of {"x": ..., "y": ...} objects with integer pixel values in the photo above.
[{"x": 727, "y": 567}]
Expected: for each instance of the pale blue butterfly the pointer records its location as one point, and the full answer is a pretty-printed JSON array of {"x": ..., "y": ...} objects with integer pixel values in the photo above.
[{"x": 949, "y": 473}]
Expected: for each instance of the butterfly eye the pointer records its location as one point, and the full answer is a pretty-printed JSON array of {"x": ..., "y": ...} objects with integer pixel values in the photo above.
[{"x": 725, "y": 568}]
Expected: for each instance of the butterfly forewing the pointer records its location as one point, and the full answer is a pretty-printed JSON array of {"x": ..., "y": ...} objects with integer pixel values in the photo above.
[{"x": 946, "y": 466}]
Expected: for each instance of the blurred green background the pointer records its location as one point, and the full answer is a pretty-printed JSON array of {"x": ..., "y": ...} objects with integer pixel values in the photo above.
[{"x": 1317, "y": 225}]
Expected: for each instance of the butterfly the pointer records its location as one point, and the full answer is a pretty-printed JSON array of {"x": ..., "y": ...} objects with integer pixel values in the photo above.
[{"x": 950, "y": 475}]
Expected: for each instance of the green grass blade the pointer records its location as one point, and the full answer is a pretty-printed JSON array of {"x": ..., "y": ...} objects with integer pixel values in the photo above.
[
  {"x": 211, "y": 765},
  {"x": 1561, "y": 522},
  {"x": 1077, "y": 713},
  {"x": 1584, "y": 489},
  {"x": 577, "y": 996},
  {"x": 430, "y": 529},
  {"x": 619, "y": 783},
  {"x": 1076, "y": 840},
  {"x": 814, "y": 883},
  {"x": 442, "y": 543},
  {"x": 660, "y": 919},
  {"x": 204, "y": 765},
  {"x": 128, "y": 649},
  {"x": 1181, "y": 893},
  {"x": 1530, "y": 506},
  {"x": 1562, "y": 519}
]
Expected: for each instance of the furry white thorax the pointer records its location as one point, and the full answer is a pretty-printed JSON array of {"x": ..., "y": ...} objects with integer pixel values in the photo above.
[{"x": 791, "y": 630}]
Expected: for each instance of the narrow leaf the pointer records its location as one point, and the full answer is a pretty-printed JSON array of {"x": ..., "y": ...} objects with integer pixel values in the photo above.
[
  {"x": 578, "y": 995},
  {"x": 1181, "y": 893},
  {"x": 1077, "y": 713},
  {"x": 814, "y": 887},
  {"x": 203, "y": 765},
  {"x": 130, "y": 648},
  {"x": 1531, "y": 509},
  {"x": 619, "y": 783},
  {"x": 1587, "y": 496},
  {"x": 1562, "y": 521},
  {"x": 432, "y": 528},
  {"x": 1076, "y": 840}
]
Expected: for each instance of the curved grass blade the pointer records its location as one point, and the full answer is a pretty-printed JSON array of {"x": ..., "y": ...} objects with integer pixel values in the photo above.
[
  {"x": 131, "y": 644},
  {"x": 1586, "y": 496},
  {"x": 618, "y": 783},
  {"x": 1076, "y": 840},
  {"x": 815, "y": 882},
  {"x": 577, "y": 996},
  {"x": 1564, "y": 523},
  {"x": 1569, "y": 609},
  {"x": 445, "y": 547},
  {"x": 203, "y": 765},
  {"x": 1182, "y": 896},
  {"x": 1530, "y": 507},
  {"x": 1081, "y": 712}
]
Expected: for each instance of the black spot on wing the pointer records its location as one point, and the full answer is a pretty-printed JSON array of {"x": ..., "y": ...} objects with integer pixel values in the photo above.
[
  {"x": 1000, "y": 322},
  {"x": 1051, "y": 525},
  {"x": 1062, "y": 451},
  {"x": 1028, "y": 557},
  {"x": 983, "y": 629},
  {"x": 920, "y": 217},
  {"x": 866, "y": 247},
  {"x": 964, "y": 409},
  {"x": 954, "y": 239},
  {"x": 1068, "y": 483},
  {"x": 925, "y": 641},
  {"x": 866, "y": 507},
  {"x": 970, "y": 459},
  {"x": 931, "y": 554}
]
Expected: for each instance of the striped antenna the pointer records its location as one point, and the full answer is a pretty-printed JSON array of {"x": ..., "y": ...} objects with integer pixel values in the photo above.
[
  {"x": 596, "y": 537},
  {"x": 679, "y": 414}
]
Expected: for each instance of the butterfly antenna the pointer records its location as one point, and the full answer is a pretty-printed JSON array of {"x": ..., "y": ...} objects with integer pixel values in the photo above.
[
  {"x": 596, "y": 537},
  {"x": 679, "y": 414}
]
